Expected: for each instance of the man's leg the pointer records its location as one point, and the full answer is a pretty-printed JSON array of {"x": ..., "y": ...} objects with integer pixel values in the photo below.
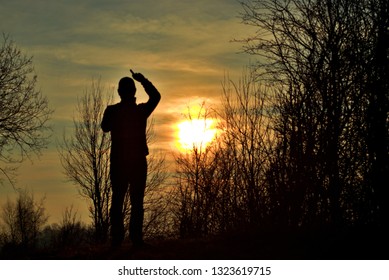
[
  {"x": 119, "y": 189},
  {"x": 137, "y": 190}
]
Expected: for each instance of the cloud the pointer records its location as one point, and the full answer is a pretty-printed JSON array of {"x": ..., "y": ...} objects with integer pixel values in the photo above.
[{"x": 183, "y": 47}]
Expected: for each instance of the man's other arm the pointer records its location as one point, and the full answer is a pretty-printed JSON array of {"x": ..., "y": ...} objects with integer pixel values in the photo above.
[{"x": 106, "y": 123}]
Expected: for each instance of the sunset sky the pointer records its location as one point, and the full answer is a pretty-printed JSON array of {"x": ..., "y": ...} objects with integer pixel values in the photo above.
[{"x": 183, "y": 47}]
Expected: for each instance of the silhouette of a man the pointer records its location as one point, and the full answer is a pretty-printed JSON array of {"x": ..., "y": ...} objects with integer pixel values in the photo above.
[{"x": 127, "y": 123}]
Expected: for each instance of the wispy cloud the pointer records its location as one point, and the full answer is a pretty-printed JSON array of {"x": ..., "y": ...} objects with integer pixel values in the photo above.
[{"x": 182, "y": 46}]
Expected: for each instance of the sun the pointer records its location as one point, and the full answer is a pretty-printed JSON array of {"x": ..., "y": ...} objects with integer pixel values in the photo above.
[{"x": 195, "y": 133}]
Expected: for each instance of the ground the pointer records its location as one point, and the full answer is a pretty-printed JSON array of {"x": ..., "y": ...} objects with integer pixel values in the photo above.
[{"x": 355, "y": 244}]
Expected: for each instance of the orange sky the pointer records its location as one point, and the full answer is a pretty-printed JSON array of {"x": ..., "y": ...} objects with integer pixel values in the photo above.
[{"x": 183, "y": 47}]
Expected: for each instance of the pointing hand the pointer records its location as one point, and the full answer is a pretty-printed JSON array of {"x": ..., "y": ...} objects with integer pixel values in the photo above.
[{"x": 138, "y": 76}]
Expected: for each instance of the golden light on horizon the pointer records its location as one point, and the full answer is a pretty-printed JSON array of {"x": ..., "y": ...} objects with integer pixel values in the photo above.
[{"x": 195, "y": 133}]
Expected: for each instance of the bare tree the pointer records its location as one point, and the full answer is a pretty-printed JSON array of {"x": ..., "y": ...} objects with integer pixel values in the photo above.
[
  {"x": 23, "y": 220},
  {"x": 212, "y": 193},
  {"x": 319, "y": 57},
  {"x": 24, "y": 112},
  {"x": 377, "y": 121},
  {"x": 71, "y": 230},
  {"x": 196, "y": 193},
  {"x": 248, "y": 143},
  {"x": 223, "y": 186},
  {"x": 192, "y": 207},
  {"x": 85, "y": 156}
]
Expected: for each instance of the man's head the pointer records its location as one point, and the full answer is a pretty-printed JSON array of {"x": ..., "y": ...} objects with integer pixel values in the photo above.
[{"x": 126, "y": 88}]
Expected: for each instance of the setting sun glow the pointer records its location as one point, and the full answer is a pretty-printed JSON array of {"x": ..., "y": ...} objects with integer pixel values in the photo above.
[{"x": 195, "y": 133}]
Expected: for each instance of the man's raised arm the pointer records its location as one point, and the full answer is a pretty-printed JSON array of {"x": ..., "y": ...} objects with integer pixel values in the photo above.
[{"x": 152, "y": 92}]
